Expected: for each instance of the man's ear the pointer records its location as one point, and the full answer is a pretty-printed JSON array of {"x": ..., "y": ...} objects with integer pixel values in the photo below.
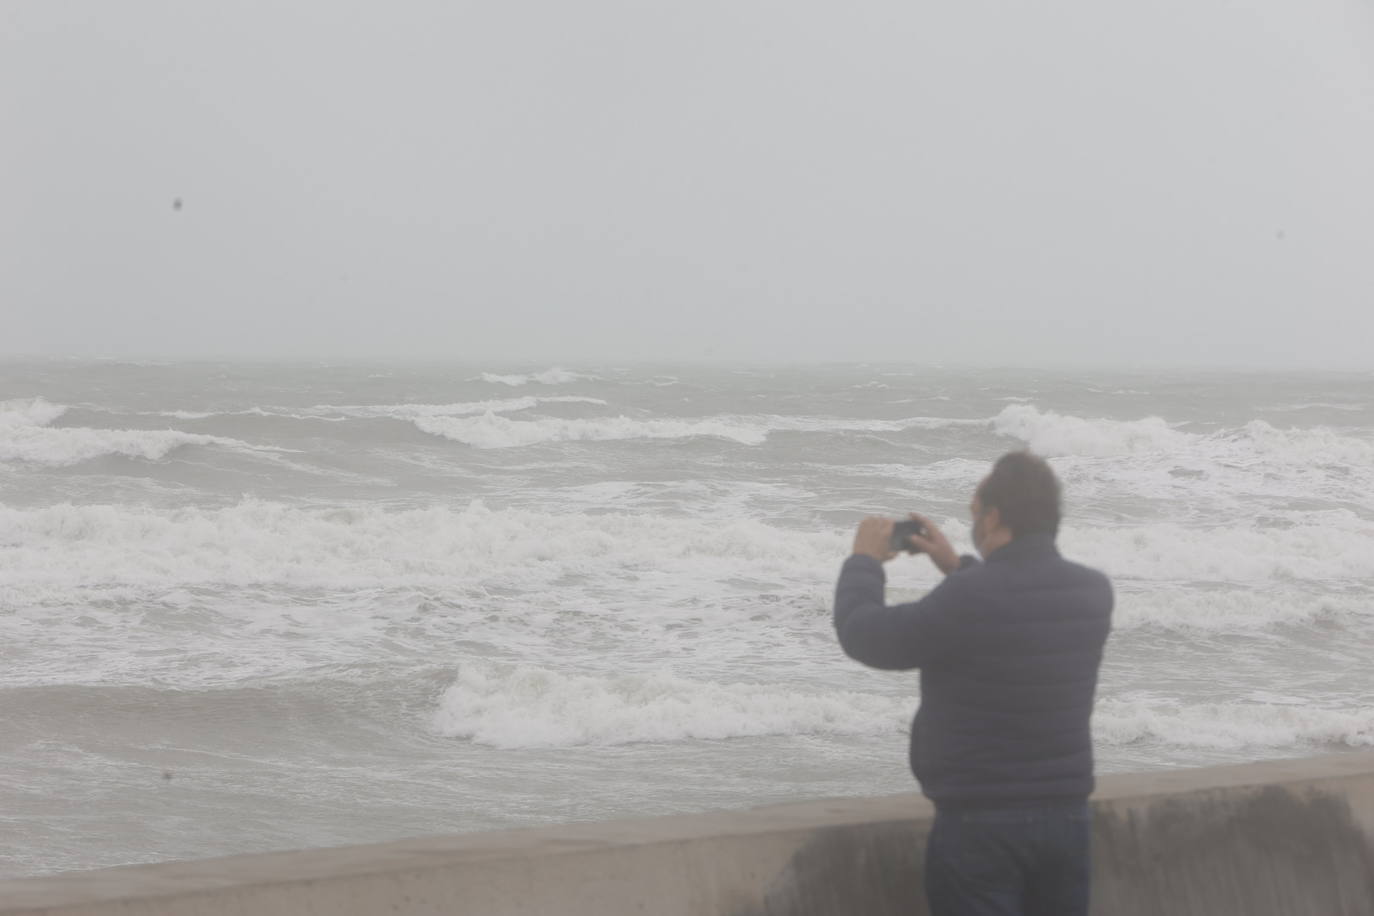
[{"x": 994, "y": 516}]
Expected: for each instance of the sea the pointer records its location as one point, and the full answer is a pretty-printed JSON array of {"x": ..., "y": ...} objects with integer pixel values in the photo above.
[{"x": 248, "y": 607}]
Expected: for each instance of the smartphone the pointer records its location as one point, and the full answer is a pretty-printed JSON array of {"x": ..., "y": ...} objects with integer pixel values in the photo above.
[{"x": 901, "y": 531}]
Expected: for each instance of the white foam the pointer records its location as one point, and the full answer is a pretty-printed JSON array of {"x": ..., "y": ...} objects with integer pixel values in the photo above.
[
  {"x": 1264, "y": 578},
  {"x": 1231, "y": 726},
  {"x": 493, "y": 431},
  {"x": 265, "y": 543},
  {"x": 530, "y": 707},
  {"x": 1320, "y": 445},
  {"x": 1232, "y": 610},
  {"x": 257, "y": 541},
  {"x": 27, "y": 412},
  {"x": 26, "y": 437},
  {"x": 1060, "y": 435},
  {"x": 1319, "y": 405},
  {"x": 186, "y": 414},
  {"x": 1052, "y": 434},
  {"x": 284, "y": 413},
  {"x": 337, "y": 413},
  {"x": 1339, "y": 547},
  {"x": 277, "y": 412},
  {"x": 554, "y": 376},
  {"x": 277, "y": 588},
  {"x": 524, "y": 706},
  {"x": 459, "y": 409},
  {"x": 842, "y": 424}
]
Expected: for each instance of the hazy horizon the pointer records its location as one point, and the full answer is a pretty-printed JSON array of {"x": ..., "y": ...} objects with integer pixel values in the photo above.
[
  {"x": 1182, "y": 186},
  {"x": 590, "y": 363}
]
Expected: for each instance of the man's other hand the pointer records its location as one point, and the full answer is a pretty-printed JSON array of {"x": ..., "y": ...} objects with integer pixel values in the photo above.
[
  {"x": 942, "y": 553},
  {"x": 874, "y": 539}
]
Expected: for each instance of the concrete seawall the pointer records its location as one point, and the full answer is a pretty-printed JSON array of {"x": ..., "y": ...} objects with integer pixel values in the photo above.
[{"x": 1291, "y": 837}]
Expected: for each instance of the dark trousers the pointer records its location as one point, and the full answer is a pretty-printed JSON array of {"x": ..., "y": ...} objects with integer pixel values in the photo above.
[{"x": 1012, "y": 861}]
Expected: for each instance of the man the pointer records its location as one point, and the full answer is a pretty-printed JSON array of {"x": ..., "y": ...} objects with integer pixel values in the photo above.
[{"x": 1008, "y": 651}]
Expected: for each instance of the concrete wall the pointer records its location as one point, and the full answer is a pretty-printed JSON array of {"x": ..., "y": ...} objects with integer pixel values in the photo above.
[{"x": 1285, "y": 837}]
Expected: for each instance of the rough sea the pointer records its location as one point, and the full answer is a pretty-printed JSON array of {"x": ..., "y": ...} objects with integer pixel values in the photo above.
[{"x": 254, "y": 607}]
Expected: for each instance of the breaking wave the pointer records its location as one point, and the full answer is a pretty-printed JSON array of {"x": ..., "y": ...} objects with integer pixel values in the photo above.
[
  {"x": 494, "y": 431},
  {"x": 532, "y": 707},
  {"x": 459, "y": 409},
  {"x": 1341, "y": 546},
  {"x": 18, "y": 414},
  {"x": 1062, "y": 435},
  {"x": 63, "y": 547},
  {"x": 268, "y": 543},
  {"x": 1052, "y": 434},
  {"x": 554, "y": 376},
  {"x": 25, "y": 436},
  {"x": 1230, "y": 725},
  {"x": 1232, "y": 610},
  {"x": 524, "y": 706}
]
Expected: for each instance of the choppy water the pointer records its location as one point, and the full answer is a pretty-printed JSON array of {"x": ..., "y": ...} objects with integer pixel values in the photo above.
[{"x": 257, "y": 607}]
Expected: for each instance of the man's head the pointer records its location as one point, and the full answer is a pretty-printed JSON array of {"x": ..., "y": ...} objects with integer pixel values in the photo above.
[{"x": 1019, "y": 497}]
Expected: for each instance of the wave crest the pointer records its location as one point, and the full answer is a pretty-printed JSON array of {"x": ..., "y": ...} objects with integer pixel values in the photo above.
[
  {"x": 25, "y": 412},
  {"x": 256, "y": 542},
  {"x": 1231, "y": 725},
  {"x": 1053, "y": 434},
  {"x": 493, "y": 431},
  {"x": 531, "y": 707},
  {"x": 554, "y": 376},
  {"x": 1340, "y": 548},
  {"x": 1062, "y": 435},
  {"x": 25, "y": 436}
]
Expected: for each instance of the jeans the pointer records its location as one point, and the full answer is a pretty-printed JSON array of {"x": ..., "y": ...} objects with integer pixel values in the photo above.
[{"x": 1012, "y": 861}]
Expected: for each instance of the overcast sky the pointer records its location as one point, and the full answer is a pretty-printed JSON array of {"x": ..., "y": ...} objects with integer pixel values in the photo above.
[{"x": 987, "y": 181}]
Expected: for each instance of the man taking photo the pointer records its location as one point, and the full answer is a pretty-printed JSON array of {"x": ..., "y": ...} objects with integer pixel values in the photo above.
[{"x": 1009, "y": 650}]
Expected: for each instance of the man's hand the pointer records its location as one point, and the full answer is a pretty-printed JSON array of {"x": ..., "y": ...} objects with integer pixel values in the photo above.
[
  {"x": 874, "y": 539},
  {"x": 942, "y": 553}
]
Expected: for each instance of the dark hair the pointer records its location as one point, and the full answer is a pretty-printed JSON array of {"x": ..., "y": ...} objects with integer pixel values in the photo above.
[{"x": 1024, "y": 491}]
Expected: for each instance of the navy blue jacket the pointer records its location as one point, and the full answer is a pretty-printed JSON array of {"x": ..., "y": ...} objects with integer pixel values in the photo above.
[{"x": 1008, "y": 651}]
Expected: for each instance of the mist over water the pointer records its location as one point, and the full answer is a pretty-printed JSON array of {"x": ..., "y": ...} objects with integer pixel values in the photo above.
[{"x": 247, "y": 607}]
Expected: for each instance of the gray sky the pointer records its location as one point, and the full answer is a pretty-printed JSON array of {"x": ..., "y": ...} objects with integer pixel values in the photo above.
[{"x": 1064, "y": 182}]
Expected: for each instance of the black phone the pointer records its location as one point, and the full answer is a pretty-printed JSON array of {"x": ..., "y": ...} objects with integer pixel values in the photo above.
[{"x": 901, "y": 531}]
